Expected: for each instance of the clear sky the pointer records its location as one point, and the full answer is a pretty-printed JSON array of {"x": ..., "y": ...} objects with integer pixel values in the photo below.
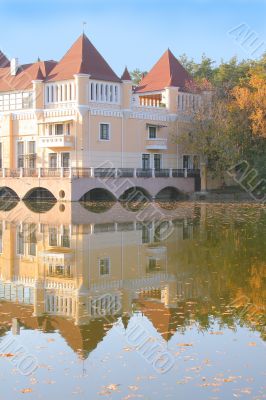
[{"x": 129, "y": 32}]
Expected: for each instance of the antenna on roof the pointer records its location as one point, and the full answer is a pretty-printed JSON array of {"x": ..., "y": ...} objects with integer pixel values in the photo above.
[{"x": 84, "y": 23}]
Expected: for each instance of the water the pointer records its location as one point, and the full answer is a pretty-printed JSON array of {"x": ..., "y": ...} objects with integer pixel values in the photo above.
[{"x": 105, "y": 301}]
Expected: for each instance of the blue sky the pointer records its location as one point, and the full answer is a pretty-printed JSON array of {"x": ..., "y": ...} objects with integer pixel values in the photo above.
[{"x": 129, "y": 32}]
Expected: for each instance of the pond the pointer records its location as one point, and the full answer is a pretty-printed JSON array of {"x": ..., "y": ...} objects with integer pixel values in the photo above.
[{"x": 161, "y": 301}]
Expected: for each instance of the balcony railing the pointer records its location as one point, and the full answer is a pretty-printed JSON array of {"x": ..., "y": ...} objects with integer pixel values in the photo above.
[
  {"x": 105, "y": 173},
  {"x": 156, "y": 144},
  {"x": 54, "y": 141}
]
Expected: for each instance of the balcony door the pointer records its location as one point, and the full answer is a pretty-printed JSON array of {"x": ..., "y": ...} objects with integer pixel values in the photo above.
[
  {"x": 157, "y": 161},
  {"x": 65, "y": 160},
  {"x": 53, "y": 160},
  {"x": 146, "y": 161}
]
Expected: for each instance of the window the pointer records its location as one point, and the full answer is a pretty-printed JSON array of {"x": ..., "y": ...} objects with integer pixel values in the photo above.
[
  {"x": 59, "y": 129},
  {"x": 65, "y": 237},
  {"x": 104, "y": 264},
  {"x": 152, "y": 132},
  {"x": 52, "y": 237},
  {"x": 145, "y": 161},
  {"x": 1, "y": 155},
  {"x": 68, "y": 128},
  {"x": 32, "y": 240},
  {"x": 1, "y": 237},
  {"x": 157, "y": 161},
  {"x": 32, "y": 154},
  {"x": 50, "y": 129},
  {"x": 15, "y": 101},
  {"x": 20, "y": 243},
  {"x": 190, "y": 162},
  {"x": 145, "y": 234},
  {"x": 53, "y": 160},
  {"x": 104, "y": 132},
  {"x": 153, "y": 265},
  {"x": 65, "y": 160},
  {"x": 20, "y": 155}
]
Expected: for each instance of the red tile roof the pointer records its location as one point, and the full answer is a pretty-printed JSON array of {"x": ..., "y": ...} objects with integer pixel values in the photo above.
[
  {"x": 83, "y": 58},
  {"x": 126, "y": 75},
  {"x": 25, "y": 75},
  {"x": 166, "y": 72},
  {"x": 4, "y": 62}
]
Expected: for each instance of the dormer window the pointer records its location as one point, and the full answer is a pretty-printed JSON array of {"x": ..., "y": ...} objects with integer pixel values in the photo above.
[
  {"x": 59, "y": 129},
  {"x": 152, "y": 132}
]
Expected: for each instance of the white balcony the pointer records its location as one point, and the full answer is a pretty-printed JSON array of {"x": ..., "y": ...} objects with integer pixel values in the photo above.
[
  {"x": 156, "y": 144},
  {"x": 54, "y": 141}
]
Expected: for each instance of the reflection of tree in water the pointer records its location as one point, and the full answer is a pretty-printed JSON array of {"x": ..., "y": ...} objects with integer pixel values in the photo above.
[
  {"x": 97, "y": 206},
  {"x": 224, "y": 264}
]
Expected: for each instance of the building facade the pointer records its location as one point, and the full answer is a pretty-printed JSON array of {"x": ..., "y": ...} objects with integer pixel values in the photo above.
[{"x": 77, "y": 119}]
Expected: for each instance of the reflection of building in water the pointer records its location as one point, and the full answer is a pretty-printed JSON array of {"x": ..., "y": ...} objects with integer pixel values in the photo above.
[
  {"x": 67, "y": 277},
  {"x": 64, "y": 270}
]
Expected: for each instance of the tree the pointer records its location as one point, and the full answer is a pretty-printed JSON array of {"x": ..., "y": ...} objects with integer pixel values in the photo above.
[
  {"x": 209, "y": 131},
  {"x": 137, "y": 75},
  {"x": 251, "y": 97}
]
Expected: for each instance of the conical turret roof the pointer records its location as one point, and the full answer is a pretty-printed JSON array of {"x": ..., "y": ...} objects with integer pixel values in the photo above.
[
  {"x": 166, "y": 72},
  {"x": 83, "y": 58}
]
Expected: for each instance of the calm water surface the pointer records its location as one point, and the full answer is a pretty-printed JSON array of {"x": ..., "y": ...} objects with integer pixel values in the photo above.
[{"x": 104, "y": 301}]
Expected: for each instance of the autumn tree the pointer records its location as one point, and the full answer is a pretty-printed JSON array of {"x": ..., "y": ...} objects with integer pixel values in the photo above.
[{"x": 251, "y": 97}]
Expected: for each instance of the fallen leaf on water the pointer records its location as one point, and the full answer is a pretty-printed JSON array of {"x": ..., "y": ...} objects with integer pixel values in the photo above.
[
  {"x": 27, "y": 390},
  {"x": 7, "y": 355}
]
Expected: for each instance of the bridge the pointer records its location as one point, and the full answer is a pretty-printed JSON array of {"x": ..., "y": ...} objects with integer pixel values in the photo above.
[{"x": 75, "y": 184}]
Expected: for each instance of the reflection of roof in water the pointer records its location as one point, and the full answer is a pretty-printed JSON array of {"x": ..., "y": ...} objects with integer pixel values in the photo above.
[
  {"x": 163, "y": 319},
  {"x": 82, "y": 339}
]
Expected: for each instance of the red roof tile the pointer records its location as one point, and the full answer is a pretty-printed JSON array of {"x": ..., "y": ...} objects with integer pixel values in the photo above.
[
  {"x": 4, "y": 62},
  {"x": 166, "y": 72},
  {"x": 83, "y": 58},
  {"x": 25, "y": 75},
  {"x": 126, "y": 75}
]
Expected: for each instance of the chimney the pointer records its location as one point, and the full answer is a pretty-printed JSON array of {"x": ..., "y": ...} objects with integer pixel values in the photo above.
[{"x": 13, "y": 66}]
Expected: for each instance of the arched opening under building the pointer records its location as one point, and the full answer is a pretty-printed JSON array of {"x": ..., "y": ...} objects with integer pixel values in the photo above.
[
  {"x": 98, "y": 200},
  {"x": 135, "y": 198}
]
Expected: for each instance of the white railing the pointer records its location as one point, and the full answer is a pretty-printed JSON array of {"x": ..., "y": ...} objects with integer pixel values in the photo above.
[
  {"x": 116, "y": 173},
  {"x": 156, "y": 144},
  {"x": 56, "y": 141}
]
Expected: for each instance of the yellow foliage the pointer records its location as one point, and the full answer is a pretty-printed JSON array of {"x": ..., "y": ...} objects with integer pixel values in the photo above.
[{"x": 252, "y": 98}]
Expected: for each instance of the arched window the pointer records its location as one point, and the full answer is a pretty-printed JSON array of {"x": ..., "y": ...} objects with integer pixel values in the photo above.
[
  {"x": 106, "y": 92},
  {"x": 111, "y": 93},
  {"x": 116, "y": 93},
  {"x": 97, "y": 92},
  {"x": 52, "y": 93},
  {"x": 92, "y": 87},
  {"x": 47, "y": 94}
]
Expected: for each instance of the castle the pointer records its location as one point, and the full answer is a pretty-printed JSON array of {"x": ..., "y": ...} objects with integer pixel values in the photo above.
[{"x": 67, "y": 126}]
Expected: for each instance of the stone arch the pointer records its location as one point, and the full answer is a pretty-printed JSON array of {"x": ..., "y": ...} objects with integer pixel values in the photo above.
[
  {"x": 8, "y": 198},
  {"x": 39, "y": 194},
  {"x": 135, "y": 198},
  {"x": 169, "y": 193},
  {"x": 135, "y": 194},
  {"x": 98, "y": 194}
]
